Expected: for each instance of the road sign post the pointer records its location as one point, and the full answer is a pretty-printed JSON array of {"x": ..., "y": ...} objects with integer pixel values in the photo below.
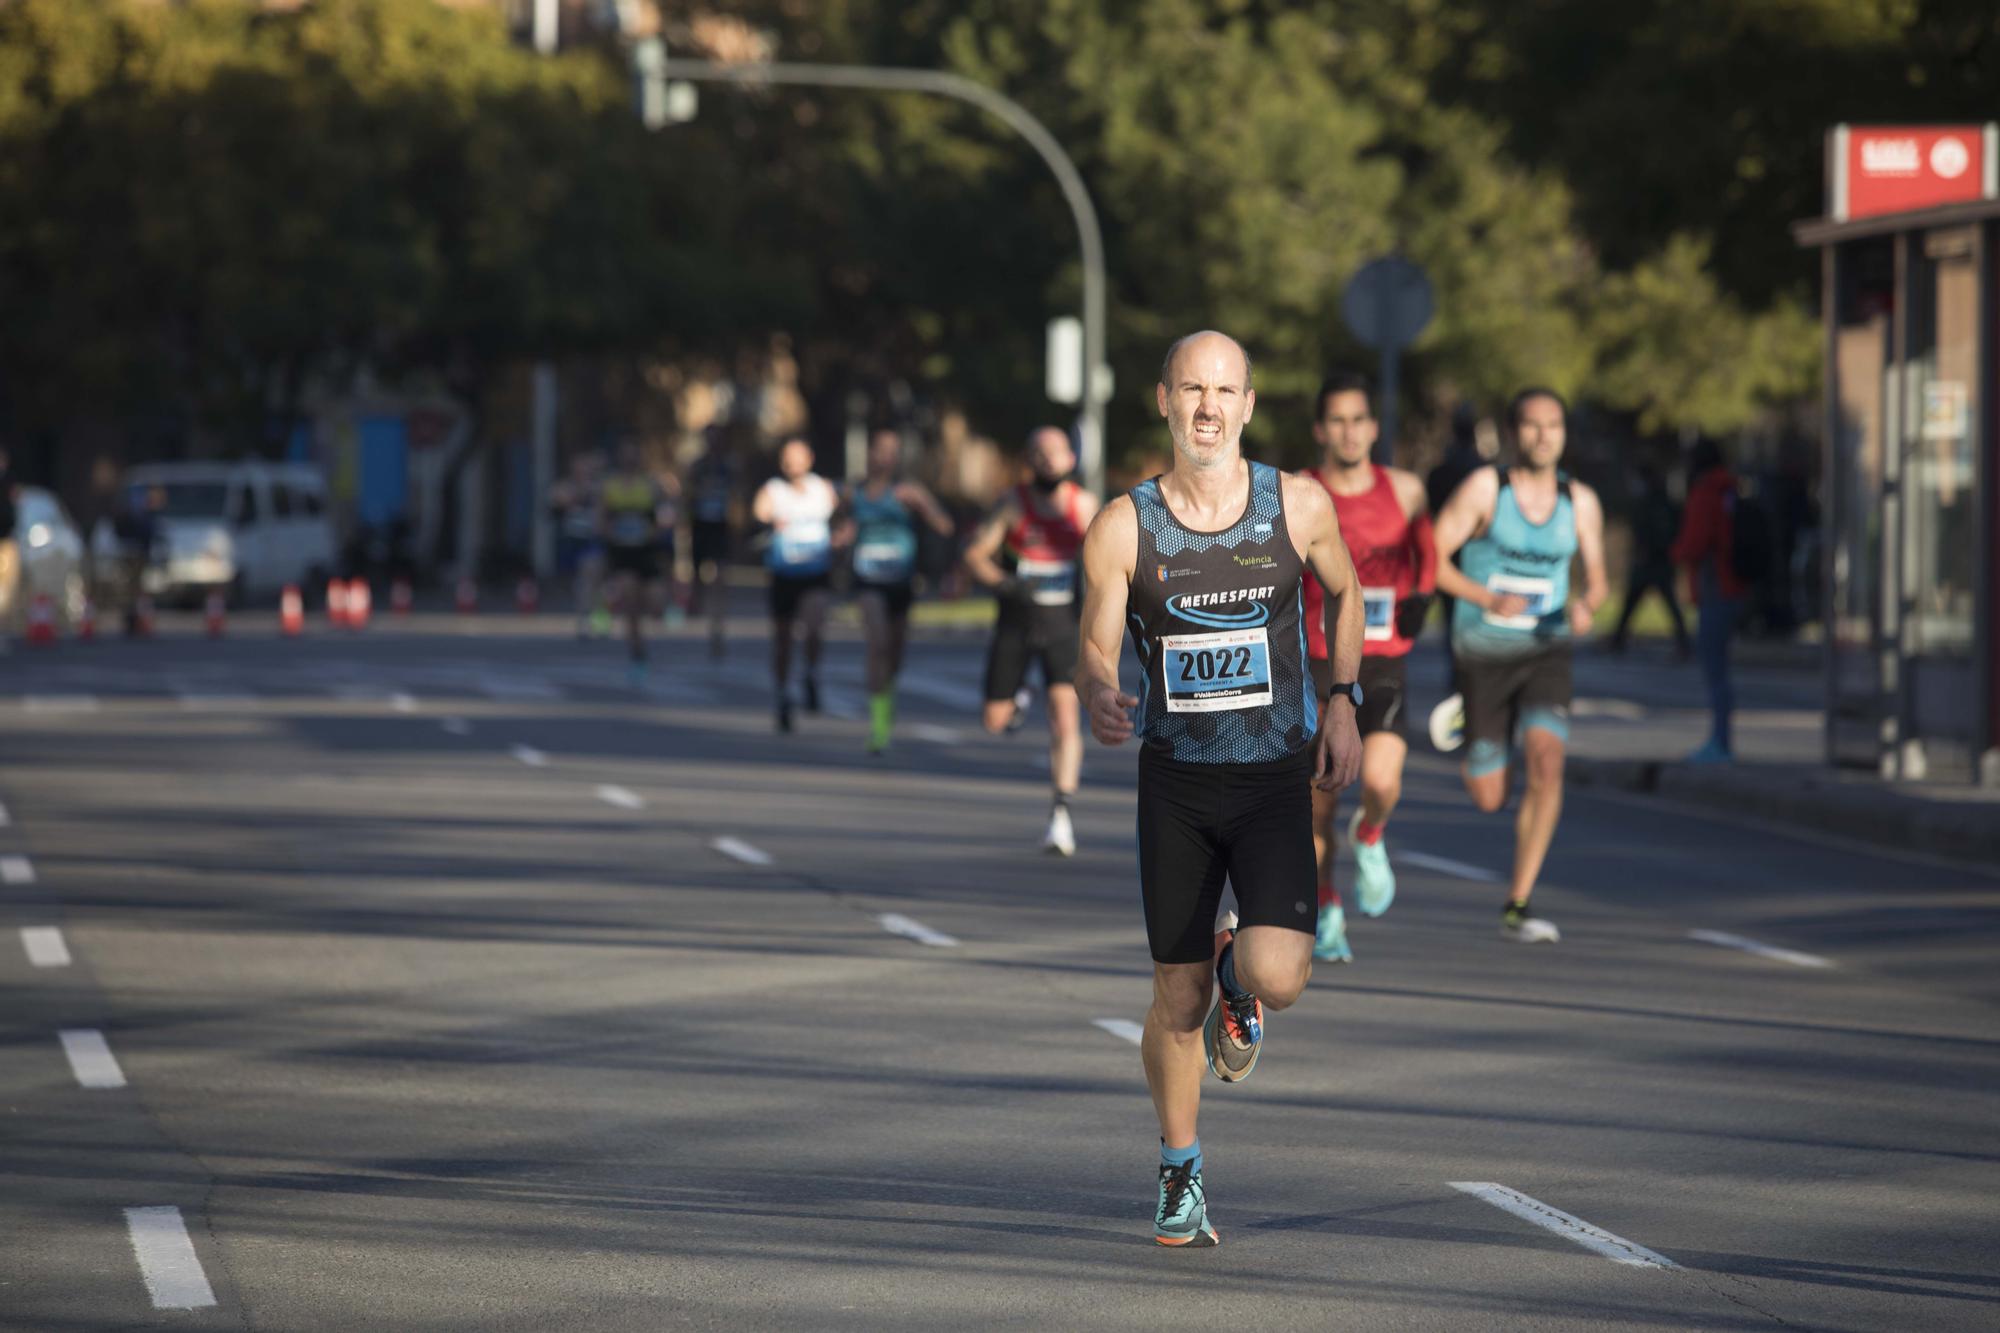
[{"x": 1386, "y": 305}]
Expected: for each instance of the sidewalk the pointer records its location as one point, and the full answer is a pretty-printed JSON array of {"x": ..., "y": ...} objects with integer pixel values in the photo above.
[{"x": 1636, "y": 716}]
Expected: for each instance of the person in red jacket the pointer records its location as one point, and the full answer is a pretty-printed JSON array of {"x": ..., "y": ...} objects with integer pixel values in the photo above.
[
  {"x": 1705, "y": 548},
  {"x": 1385, "y": 521}
]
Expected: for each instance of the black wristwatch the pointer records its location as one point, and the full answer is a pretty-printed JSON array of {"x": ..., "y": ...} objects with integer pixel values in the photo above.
[{"x": 1352, "y": 689}]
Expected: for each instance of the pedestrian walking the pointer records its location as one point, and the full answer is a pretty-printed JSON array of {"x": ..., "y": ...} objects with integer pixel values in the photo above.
[{"x": 1707, "y": 549}]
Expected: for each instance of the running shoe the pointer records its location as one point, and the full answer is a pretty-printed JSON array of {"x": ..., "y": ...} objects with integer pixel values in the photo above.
[
  {"x": 1374, "y": 881},
  {"x": 1182, "y": 1217},
  {"x": 1233, "y": 1037},
  {"x": 1023, "y": 697},
  {"x": 784, "y": 713},
  {"x": 1710, "y": 753},
  {"x": 1448, "y": 724},
  {"x": 1330, "y": 943},
  {"x": 1522, "y": 926},
  {"x": 812, "y": 694},
  {"x": 1061, "y": 837}
]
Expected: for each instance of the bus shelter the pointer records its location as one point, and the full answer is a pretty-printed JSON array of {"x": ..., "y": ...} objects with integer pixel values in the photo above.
[{"x": 1911, "y": 479}]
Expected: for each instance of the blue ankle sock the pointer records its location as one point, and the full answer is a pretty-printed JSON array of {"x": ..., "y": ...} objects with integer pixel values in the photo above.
[
  {"x": 1181, "y": 1156},
  {"x": 1225, "y": 972}
]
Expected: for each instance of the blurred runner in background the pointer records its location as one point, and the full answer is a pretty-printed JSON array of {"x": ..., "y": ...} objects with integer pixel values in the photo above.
[
  {"x": 637, "y": 507},
  {"x": 1027, "y": 553},
  {"x": 711, "y": 487},
  {"x": 883, "y": 509},
  {"x": 798, "y": 505},
  {"x": 1518, "y": 529},
  {"x": 1385, "y": 521},
  {"x": 1654, "y": 523},
  {"x": 576, "y": 501}
]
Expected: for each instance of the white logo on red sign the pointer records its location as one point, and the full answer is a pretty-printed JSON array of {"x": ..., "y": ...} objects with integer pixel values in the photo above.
[
  {"x": 1892, "y": 157},
  {"x": 1950, "y": 158}
]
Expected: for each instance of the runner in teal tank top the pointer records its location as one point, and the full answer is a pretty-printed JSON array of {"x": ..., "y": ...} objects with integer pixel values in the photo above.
[
  {"x": 1518, "y": 529},
  {"x": 882, "y": 511}
]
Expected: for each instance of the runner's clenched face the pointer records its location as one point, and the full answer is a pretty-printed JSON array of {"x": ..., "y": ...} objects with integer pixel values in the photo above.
[
  {"x": 1346, "y": 429},
  {"x": 1207, "y": 400},
  {"x": 1540, "y": 432}
]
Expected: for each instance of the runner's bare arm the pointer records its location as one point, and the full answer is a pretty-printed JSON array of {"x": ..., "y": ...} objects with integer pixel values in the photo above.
[
  {"x": 1590, "y": 547},
  {"x": 1464, "y": 517},
  {"x": 918, "y": 497},
  {"x": 982, "y": 555},
  {"x": 1110, "y": 549},
  {"x": 1417, "y": 509},
  {"x": 1315, "y": 527},
  {"x": 761, "y": 507}
]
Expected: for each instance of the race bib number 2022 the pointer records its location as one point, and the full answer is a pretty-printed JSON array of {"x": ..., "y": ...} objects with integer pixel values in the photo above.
[{"x": 1207, "y": 673}]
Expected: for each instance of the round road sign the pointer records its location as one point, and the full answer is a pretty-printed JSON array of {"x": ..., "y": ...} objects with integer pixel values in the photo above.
[{"x": 1388, "y": 303}]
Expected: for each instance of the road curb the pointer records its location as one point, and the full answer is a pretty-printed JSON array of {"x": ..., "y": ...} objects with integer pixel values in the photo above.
[{"x": 1820, "y": 800}]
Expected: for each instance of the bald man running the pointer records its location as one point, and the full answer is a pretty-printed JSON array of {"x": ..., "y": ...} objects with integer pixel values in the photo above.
[{"x": 1205, "y": 562}]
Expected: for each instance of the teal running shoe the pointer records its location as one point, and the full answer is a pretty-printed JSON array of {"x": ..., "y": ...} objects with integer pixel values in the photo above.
[
  {"x": 1330, "y": 944},
  {"x": 1182, "y": 1218},
  {"x": 1374, "y": 881}
]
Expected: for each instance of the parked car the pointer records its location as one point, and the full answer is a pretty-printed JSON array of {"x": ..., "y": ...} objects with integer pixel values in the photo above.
[
  {"x": 51, "y": 556},
  {"x": 246, "y": 529}
]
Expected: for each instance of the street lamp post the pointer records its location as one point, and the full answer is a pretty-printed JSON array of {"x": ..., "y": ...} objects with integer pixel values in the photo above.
[{"x": 1090, "y": 424}]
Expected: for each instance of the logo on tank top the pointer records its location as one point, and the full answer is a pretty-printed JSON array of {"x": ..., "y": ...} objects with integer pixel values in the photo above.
[{"x": 1217, "y": 610}]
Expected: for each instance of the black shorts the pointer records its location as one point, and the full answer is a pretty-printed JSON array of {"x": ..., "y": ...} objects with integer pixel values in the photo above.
[
  {"x": 1200, "y": 824},
  {"x": 1019, "y": 640},
  {"x": 642, "y": 562},
  {"x": 1384, "y": 697},
  {"x": 1505, "y": 693},
  {"x": 899, "y": 596},
  {"x": 711, "y": 544},
  {"x": 788, "y": 590}
]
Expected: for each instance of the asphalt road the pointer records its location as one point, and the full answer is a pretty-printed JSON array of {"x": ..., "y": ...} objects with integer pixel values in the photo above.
[{"x": 431, "y": 1001}]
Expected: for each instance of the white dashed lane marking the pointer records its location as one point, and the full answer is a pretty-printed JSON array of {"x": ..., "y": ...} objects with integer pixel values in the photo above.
[
  {"x": 932, "y": 733},
  {"x": 174, "y": 1278},
  {"x": 1777, "y": 955},
  {"x": 16, "y": 870},
  {"x": 60, "y": 703},
  {"x": 1122, "y": 1027},
  {"x": 898, "y": 924},
  {"x": 45, "y": 946},
  {"x": 622, "y": 797},
  {"x": 738, "y": 850},
  {"x": 90, "y": 1058},
  {"x": 1574, "y": 1229},
  {"x": 403, "y": 703},
  {"x": 456, "y": 726},
  {"x": 530, "y": 756},
  {"x": 1445, "y": 865}
]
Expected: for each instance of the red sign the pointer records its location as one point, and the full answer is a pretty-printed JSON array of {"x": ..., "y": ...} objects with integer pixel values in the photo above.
[{"x": 1878, "y": 169}]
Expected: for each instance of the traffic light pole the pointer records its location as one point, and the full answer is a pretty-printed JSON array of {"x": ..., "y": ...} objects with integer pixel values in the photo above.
[{"x": 1090, "y": 424}]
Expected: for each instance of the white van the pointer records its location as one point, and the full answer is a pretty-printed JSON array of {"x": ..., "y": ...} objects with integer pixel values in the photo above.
[{"x": 246, "y": 529}]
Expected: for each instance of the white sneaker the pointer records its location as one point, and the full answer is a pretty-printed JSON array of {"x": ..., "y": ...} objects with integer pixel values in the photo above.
[
  {"x": 1062, "y": 834},
  {"x": 1448, "y": 724},
  {"x": 1524, "y": 927}
]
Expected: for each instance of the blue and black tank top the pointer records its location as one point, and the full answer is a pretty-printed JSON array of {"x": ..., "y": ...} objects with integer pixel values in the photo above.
[{"x": 1216, "y": 619}]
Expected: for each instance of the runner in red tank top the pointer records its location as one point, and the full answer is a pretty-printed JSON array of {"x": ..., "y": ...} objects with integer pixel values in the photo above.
[
  {"x": 1386, "y": 525},
  {"x": 1027, "y": 553}
]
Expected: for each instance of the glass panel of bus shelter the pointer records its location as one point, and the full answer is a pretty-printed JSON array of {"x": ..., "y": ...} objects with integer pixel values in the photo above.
[
  {"x": 1941, "y": 438},
  {"x": 1864, "y": 318}
]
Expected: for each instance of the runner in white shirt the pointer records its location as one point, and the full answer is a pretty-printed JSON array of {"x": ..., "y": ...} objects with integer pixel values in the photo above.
[{"x": 798, "y": 505}]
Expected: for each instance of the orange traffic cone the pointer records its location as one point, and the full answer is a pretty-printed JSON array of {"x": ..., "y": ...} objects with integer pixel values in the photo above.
[
  {"x": 360, "y": 600},
  {"x": 292, "y": 612},
  {"x": 86, "y": 624},
  {"x": 336, "y": 603},
  {"x": 401, "y": 599},
  {"x": 468, "y": 595},
  {"x": 212, "y": 616},
  {"x": 41, "y": 620},
  {"x": 527, "y": 597}
]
